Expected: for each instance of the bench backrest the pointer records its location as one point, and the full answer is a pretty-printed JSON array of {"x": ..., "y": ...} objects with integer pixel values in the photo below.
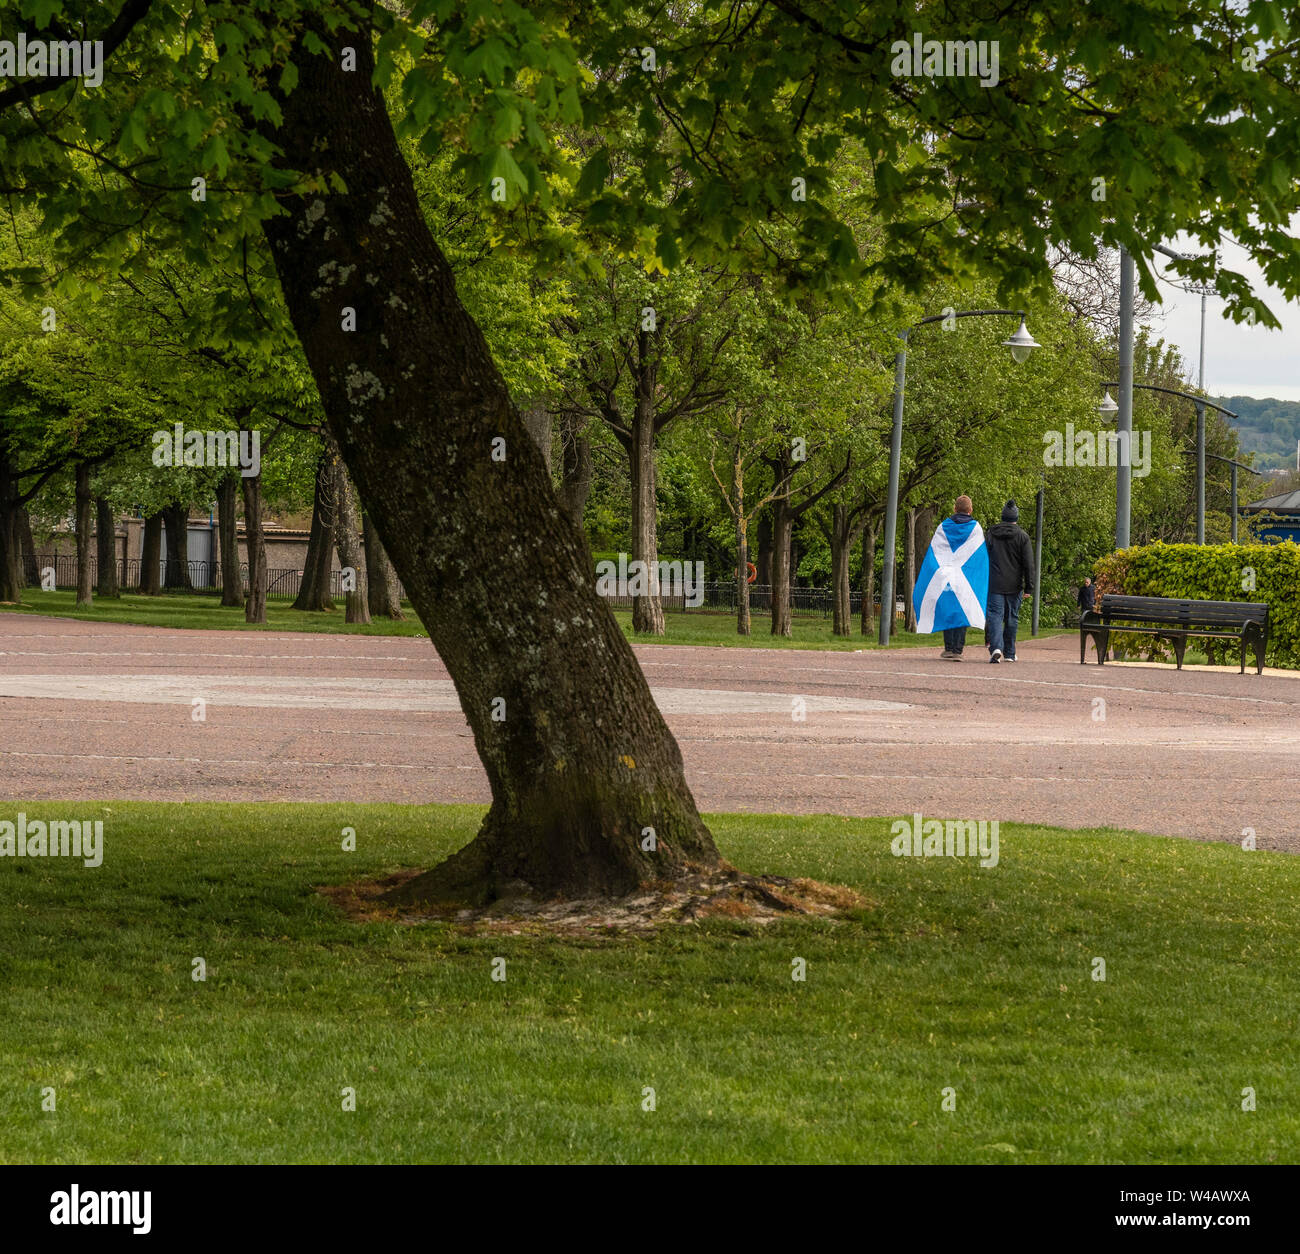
[{"x": 1183, "y": 613}]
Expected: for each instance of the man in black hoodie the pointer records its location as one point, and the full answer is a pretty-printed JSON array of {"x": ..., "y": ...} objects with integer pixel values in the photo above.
[{"x": 1011, "y": 576}]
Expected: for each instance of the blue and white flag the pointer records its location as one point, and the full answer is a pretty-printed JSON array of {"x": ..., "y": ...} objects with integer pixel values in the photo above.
[{"x": 952, "y": 586}]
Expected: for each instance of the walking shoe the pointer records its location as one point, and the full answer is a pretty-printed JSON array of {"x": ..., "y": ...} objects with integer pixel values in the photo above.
[
  {"x": 947, "y": 653},
  {"x": 1009, "y": 659},
  {"x": 996, "y": 655}
]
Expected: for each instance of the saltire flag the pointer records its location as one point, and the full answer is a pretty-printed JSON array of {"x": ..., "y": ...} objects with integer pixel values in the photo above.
[{"x": 952, "y": 586}]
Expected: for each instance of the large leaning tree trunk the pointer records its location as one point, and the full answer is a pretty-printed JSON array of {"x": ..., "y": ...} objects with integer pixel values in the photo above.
[
  {"x": 84, "y": 501},
  {"x": 105, "y": 549},
  {"x": 314, "y": 590},
  {"x": 580, "y": 761},
  {"x": 232, "y": 583},
  {"x": 255, "y": 539},
  {"x": 383, "y": 595},
  {"x": 348, "y": 542},
  {"x": 151, "y": 555},
  {"x": 176, "y": 520}
]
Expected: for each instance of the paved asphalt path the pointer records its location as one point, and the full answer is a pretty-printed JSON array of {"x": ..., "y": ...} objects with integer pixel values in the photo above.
[{"x": 90, "y": 710}]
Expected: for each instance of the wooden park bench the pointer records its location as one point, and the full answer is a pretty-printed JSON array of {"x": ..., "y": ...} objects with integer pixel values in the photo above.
[{"x": 1173, "y": 620}]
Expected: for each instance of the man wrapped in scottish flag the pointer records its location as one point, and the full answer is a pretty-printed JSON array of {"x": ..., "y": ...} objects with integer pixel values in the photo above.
[{"x": 952, "y": 586}]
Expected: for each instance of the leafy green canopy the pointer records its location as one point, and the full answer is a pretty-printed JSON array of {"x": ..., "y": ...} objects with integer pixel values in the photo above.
[{"x": 1114, "y": 122}]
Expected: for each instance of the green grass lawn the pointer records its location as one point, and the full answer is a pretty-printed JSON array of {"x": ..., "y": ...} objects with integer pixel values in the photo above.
[
  {"x": 697, "y": 627},
  {"x": 179, "y": 610},
  {"x": 962, "y": 977}
]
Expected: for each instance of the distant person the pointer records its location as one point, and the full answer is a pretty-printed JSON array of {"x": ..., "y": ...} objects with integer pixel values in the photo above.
[
  {"x": 1011, "y": 578},
  {"x": 953, "y": 582},
  {"x": 1087, "y": 596}
]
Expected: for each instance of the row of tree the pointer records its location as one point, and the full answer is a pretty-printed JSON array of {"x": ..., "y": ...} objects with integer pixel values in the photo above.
[{"x": 277, "y": 154}]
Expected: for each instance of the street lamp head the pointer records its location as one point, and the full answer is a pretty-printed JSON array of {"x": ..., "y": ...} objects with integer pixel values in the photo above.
[
  {"x": 1107, "y": 405},
  {"x": 1021, "y": 343}
]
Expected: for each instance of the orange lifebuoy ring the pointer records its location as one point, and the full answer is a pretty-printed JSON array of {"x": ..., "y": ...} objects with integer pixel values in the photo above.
[{"x": 753, "y": 572}]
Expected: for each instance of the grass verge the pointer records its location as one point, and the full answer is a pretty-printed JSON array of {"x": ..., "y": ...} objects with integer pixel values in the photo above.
[
  {"x": 978, "y": 980},
  {"x": 698, "y": 627}
]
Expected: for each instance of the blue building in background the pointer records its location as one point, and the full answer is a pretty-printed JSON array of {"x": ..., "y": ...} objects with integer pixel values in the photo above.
[{"x": 1286, "y": 524}]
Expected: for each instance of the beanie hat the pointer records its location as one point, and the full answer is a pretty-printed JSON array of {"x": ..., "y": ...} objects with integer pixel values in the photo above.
[{"x": 1010, "y": 513}]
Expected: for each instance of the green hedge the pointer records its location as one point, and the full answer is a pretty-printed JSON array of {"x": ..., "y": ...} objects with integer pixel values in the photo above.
[{"x": 1211, "y": 572}]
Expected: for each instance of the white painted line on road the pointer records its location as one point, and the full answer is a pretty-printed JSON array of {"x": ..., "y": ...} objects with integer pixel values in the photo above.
[
  {"x": 268, "y": 762},
  {"x": 1002, "y": 680},
  {"x": 366, "y": 693},
  {"x": 171, "y": 656}
]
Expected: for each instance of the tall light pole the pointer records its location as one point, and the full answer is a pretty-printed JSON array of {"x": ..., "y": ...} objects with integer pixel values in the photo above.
[
  {"x": 1235, "y": 466},
  {"x": 1108, "y": 406},
  {"x": 1038, "y": 557},
  {"x": 1021, "y": 344},
  {"x": 1124, "y": 412}
]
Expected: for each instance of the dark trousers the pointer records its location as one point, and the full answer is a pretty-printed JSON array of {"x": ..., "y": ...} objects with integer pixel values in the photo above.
[
  {"x": 954, "y": 639},
  {"x": 1000, "y": 622}
]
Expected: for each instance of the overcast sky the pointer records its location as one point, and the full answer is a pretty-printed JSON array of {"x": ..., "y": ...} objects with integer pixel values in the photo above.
[{"x": 1239, "y": 360}]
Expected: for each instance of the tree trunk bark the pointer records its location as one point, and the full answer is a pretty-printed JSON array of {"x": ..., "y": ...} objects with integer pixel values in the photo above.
[
  {"x": 11, "y": 589},
  {"x": 106, "y": 549},
  {"x": 764, "y": 561},
  {"x": 314, "y": 590},
  {"x": 232, "y": 582},
  {"x": 537, "y": 419},
  {"x": 176, "y": 519},
  {"x": 868, "y": 580},
  {"x": 575, "y": 469},
  {"x": 647, "y": 610},
  {"x": 743, "y": 626},
  {"x": 31, "y": 571},
  {"x": 84, "y": 500},
  {"x": 151, "y": 555},
  {"x": 11, "y": 573},
  {"x": 841, "y": 543},
  {"x": 909, "y": 570},
  {"x": 356, "y": 603},
  {"x": 255, "y": 606},
  {"x": 588, "y": 789},
  {"x": 381, "y": 579},
  {"x": 782, "y": 534}
]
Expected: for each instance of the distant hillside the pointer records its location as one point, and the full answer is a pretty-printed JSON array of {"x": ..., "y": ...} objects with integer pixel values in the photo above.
[{"x": 1266, "y": 427}]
